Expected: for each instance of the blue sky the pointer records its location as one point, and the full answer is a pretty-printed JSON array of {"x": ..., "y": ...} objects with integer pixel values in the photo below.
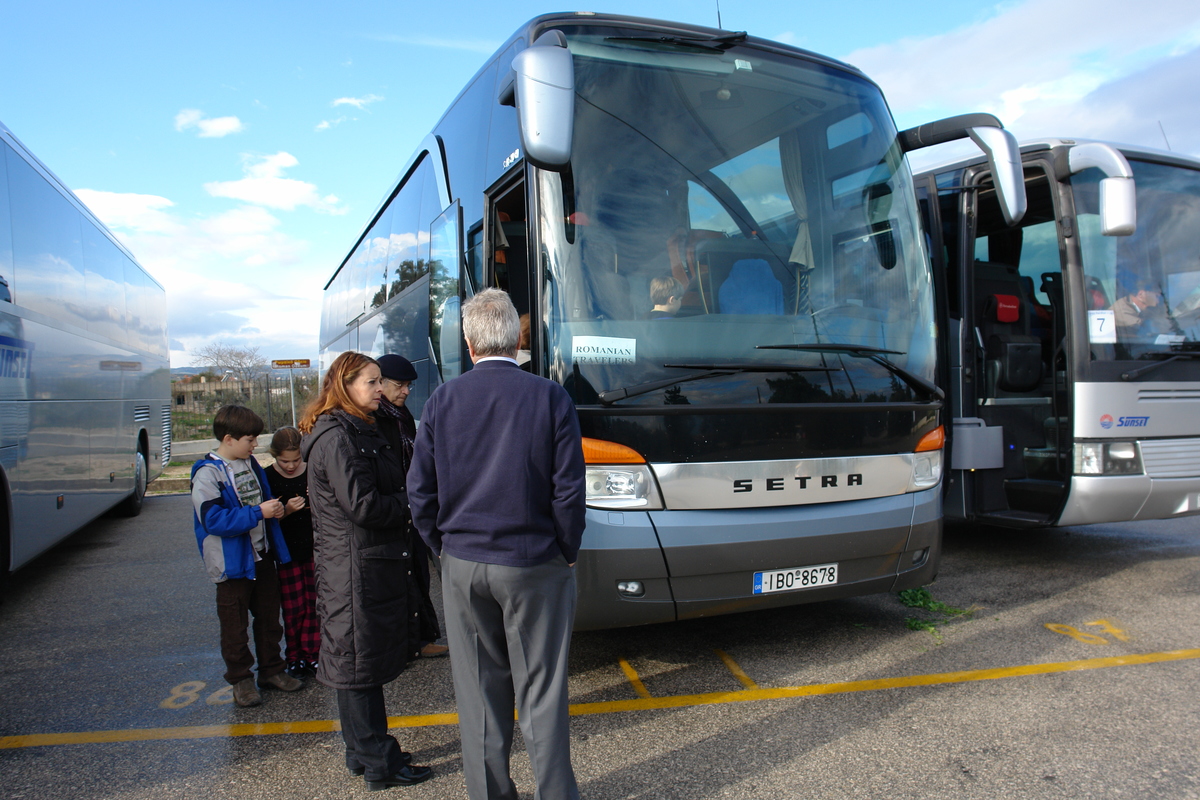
[{"x": 238, "y": 149}]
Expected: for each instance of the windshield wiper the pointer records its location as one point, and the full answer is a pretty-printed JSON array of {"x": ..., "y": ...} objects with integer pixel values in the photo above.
[
  {"x": 1186, "y": 355},
  {"x": 718, "y": 43},
  {"x": 875, "y": 354},
  {"x": 704, "y": 371}
]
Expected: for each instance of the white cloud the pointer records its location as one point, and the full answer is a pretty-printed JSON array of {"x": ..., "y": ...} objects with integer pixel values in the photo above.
[
  {"x": 233, "y": 277},
  {"x": 326, "y": 124},
  {"x": 265, "y": 185},
  {"x": 1027, "y": 55},
  {"x": 1130, "y": 110},
  {"x": 144, "y": 212},
  {"x": 209, "y": 127},
  {"x": 358, "y": 102},
  {"x": 470, "y": 45}
]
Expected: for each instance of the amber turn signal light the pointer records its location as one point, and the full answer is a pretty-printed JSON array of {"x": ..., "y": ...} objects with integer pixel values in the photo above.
[{"x": 598, "y": 451}]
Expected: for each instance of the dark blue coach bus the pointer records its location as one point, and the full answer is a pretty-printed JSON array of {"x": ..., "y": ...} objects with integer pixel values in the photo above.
[{"x": 778, "y": 439}]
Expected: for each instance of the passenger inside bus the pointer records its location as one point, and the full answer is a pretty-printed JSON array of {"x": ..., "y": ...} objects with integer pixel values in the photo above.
[
  {"x": 1137, "y": 312},
  {"x": 666, "y": 295}
]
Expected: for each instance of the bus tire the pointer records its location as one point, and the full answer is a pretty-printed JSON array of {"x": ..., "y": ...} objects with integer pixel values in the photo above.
[{"x": 131, "y": 506}]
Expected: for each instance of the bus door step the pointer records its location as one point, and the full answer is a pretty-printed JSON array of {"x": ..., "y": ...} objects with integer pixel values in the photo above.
[{"x": 1015, "y": 519}]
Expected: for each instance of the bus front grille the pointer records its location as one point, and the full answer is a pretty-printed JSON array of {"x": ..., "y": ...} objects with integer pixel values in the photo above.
[{"x": 1171, "y": 458}]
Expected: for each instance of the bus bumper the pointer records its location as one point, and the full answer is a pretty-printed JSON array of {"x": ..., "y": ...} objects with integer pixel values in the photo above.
[
  {"x": 1117, "y": 498},
  {"x": 702, "y": 563}
]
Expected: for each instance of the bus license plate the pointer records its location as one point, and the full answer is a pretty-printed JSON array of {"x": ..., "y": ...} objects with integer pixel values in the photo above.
[{"x": 789, "y": 580}]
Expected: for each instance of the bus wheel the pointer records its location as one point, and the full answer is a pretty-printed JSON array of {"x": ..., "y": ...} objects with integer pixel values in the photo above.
[{"x": 132, "y": 506}]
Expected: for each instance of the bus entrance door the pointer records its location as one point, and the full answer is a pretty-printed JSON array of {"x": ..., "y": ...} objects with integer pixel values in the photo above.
[{"x": 1017, "y": 307}]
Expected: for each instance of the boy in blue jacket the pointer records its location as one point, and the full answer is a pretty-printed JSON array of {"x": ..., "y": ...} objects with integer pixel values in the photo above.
[{"x": 238, "y": 533}]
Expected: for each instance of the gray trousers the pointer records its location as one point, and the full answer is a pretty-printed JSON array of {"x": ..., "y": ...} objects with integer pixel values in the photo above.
[{"x": 509, "y": 630}]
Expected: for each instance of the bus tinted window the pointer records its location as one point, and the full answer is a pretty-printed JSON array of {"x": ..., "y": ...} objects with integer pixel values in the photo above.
[
  {"x": 377, "y": 260},
  {"x": 6, "y": 256},
  {"x": 464, "y": 132},
  {"x": 503, "y": 139},
  {"x": 1158, "y": 264},
  {"x": 409, "y": 239},
  {"x": 47, "y": 251},
  {"x": 713, "y": 168},
  {"x": 104, "y": 270}
]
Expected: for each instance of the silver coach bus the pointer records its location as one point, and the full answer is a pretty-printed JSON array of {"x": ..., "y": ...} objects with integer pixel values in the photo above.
[
  {"x": 85, "y": 415},
  {"x": 778, "y": 440},
  {"x": 1072, "y": 352}
]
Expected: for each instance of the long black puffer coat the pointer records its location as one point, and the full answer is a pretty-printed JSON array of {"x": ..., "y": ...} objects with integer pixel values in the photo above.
[{"x": 367, "y": 600}]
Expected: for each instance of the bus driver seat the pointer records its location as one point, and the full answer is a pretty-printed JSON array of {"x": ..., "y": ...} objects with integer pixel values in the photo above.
[{"x": 751, "y": 288}]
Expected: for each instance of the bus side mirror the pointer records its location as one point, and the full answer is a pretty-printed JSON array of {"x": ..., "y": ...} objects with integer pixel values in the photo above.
[
  {"x": 544, "y": 93},
  {"x": 1008, "y": 175},
  {"x": 1003, "y": 154},
  {"x": 1118, "y": 207},
  {"x": 1118, "y": 192}
]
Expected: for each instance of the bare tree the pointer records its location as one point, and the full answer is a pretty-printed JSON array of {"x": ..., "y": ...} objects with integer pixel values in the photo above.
[{"x": 242, "y": 363}]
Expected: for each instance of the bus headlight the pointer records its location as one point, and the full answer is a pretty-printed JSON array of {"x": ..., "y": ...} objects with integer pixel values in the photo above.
[
  {"x": 1108, "y": 458},
  {"x": 926, "y": 470},
  {"x": 927, "y": 460},
  {"x": 628, "y": 486}
]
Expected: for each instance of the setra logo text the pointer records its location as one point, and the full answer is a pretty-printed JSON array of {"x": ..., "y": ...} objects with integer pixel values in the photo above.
[{"x": 803, "y": 481}]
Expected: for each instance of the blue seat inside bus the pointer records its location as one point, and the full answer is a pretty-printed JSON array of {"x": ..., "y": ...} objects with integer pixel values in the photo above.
[
  {"x": 751, "y": 288},
  {"x": 715, "y": 260}
]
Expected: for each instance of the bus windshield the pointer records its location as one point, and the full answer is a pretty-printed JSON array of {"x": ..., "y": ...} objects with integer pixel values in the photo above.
[
  {"x": 727, "y": 210},
  {"x": 1143, "y": 291}
]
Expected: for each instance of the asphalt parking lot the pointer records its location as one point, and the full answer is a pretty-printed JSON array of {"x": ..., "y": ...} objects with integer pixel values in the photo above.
[{"x": 1056, "y": 664}]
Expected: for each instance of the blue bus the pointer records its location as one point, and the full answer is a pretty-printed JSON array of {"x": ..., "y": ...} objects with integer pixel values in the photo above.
[
  {"x": 778, "y": 439},
  {"x": 85, "y": 414}
]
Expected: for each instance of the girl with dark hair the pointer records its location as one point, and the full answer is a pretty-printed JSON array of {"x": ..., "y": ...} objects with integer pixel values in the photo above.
[
  {"x": 288, "y": 479},
  {"x": 362, "y": 529}
]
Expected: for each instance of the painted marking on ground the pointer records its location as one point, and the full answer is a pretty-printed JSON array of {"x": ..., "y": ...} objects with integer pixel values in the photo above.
[
  {"x": 632, "y": 676},
  {"x": 737, "y": 671},
  {"x": 608, "y": 707}
]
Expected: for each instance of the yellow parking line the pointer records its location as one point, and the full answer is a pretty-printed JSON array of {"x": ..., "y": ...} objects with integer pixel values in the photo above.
[
  {"x": 634, "y": 680},
  {"x": 751, "y": 695},
  {"x": 737, "y": 671},
  {"x": 644, "y": 703}
]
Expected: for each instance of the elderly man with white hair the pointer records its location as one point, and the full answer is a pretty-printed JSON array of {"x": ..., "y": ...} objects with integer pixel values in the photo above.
[{"x": 497, "y": 490}]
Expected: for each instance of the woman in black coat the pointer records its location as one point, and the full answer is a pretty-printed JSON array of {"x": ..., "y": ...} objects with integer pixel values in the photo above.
[
  {"x": 397, "y": 425},
  {"x": 366, "y": 600}
]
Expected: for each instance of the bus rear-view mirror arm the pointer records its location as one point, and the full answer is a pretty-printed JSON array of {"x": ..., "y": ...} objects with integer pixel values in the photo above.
[
  {"x": 1000, "y": 146},
  {"x": 542, "y": 87},
  {"x": 1118, "y": 192}
]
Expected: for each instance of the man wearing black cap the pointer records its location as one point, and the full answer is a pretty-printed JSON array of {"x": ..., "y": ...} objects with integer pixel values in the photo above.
[{"x": 397, "y": 425}]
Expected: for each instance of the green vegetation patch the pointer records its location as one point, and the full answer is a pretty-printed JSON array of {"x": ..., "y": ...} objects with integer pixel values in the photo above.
[{"x": 935, "y": 611}]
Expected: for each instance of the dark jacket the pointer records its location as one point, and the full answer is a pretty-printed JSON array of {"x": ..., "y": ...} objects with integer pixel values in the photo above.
[
  {"x": 498, "y": 474},
  {"x": 366, "y": 599},
  {"x": 397, "y": 425}
]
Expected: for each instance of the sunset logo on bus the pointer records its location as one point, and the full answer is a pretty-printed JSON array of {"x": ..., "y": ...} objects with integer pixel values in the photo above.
[{"x": 1106, "y": 421}]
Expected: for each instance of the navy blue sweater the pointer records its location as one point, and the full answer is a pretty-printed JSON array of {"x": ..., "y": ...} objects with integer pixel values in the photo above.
[{"x": 497, "y": 475}]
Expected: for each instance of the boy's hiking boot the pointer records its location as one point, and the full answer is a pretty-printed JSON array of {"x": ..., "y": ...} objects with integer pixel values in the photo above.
[
  {"x": 245, "y": 695},
  {"x": 281, "y": 681},
  {"x": 433, "y": 650}
]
